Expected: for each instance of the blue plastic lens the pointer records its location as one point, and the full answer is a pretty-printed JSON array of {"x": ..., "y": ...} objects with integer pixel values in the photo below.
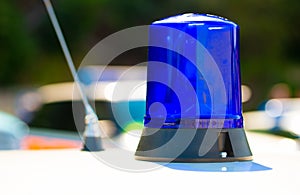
[{"x": 193, "y": 73}]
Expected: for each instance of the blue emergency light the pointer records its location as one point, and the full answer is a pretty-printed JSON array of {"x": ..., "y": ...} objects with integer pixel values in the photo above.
[{"x": 193, "y": 104}]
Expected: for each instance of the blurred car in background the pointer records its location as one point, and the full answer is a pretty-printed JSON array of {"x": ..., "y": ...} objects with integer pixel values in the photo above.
[
  {"x": 56, "y": 111},
  {"x": 279, "y": 116},
  {"x": 12, "y": 131}
]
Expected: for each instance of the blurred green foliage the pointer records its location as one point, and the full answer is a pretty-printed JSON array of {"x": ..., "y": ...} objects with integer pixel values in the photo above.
[{"x": 30, "y": 53}]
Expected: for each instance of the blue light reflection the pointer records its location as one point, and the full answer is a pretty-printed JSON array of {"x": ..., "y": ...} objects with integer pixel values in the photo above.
[{"x": 218, "y": 167}]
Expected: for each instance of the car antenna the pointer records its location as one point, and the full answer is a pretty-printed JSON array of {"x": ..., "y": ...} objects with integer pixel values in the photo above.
[{"x": 92, "y": 133}]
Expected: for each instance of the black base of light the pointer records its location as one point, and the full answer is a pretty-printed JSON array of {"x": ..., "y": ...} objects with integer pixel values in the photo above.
[
  {"x": 193, "y": 145},
  {"x": 92, "y": 144}
]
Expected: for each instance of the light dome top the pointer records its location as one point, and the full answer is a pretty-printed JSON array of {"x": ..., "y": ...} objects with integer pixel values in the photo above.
[{"x": 192, "y": 18}]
